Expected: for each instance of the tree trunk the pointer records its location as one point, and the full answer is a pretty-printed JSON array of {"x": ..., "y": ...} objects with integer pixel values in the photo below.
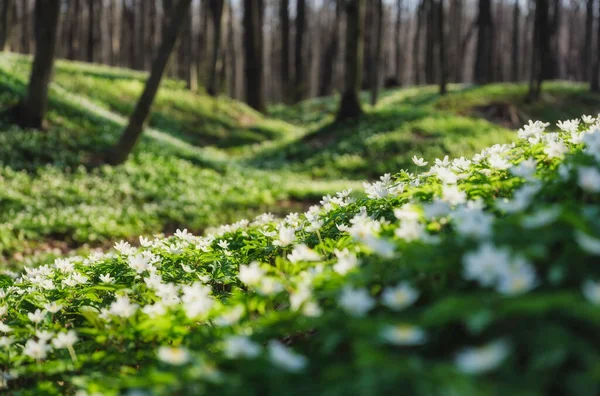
[
  {"x": 485, "y": 43},
  {"x": 417, "y": 44},
  {"x": 376, "y": 58},
  {"x": 6, "y": 21},
  {"x": 540, "y": 49},
  {"x": 253, "y": 48},
  {"x": 595, "y": 83},
  {"x": 90, "y": 38},
  {"x": 430, "y": 43},
  {"x": 350, "y": 104},
  {"x": 330, "y": 56},
  {"x": 30, "y": 112},
  {"x": 25, "y": 28},
  {"x": 514, "y": 65},
  {"x": 299, "y": 82},
  {"x": 442, "y": 48},
  {"x": 142, "y": 109},
  {"x": 232, "y": 49},
  {"x": 587, "y": 46},
  {"x": 284, "y": 17},
  {"x": 216, "y": 11},
  {"x": 397, "y": 34}
]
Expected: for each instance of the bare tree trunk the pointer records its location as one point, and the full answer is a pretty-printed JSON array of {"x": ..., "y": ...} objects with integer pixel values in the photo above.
[
  {"x": 30, "y": 112},
  {"x": 299, "y": 83},
  {"x": 514, "y": 65},
  {"x": 232, "y": 53},
  {"x": 350, "y": 104},
  {"x": 540, "y": 49},
  {"x": 142, "y": 109},
  {"x": 330, "y": 56},
  {"x": 417, "y": 43},
  {"x": 397, "y": 34},
  {"x": 284, "y": 17},
  {"x": 587, "y": 46},
  {"x": 6, "y": 22},
  {"x": 430, "y": 43},
  {"x": 595, "y": 83},
  {"x": 376, "y": 58},
  {"x": 442, "y": 48},
  {"x": 253, "y": 48},
  {"x": 216, "y": 11},
  {"x": 25, "y": 28},
  {"x": 90, "y": 38},
  {"x": 485, "y": 43}
]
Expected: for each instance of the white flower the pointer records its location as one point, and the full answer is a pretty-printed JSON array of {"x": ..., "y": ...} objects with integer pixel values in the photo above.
[
  {"x": 589, "y": 179},
  {"x": 522, "y": 198},
  {"x": 285, "y": 358},
  {"x": 472, "y": 223},
  {"x": 442, "y": 162},
  {"x": 53, "y": 307},
  {"x": 568, "y": 125},
  {"x": 303, "y": 253},
  {"x": 446, "y": 176},
  {"x": 403, "y": 334},
  {"x": 591, "y": 291},
  {"x": 346, "y": 261},
  {"x": 453, "y": 195},
  {"x": 541, "y": 218},
  {"x": 486, "y": 263},
  {"x": 154, "y": 310},
  {"x": 187, "y": 268},
  {"x": 145, "y": 242},
  {"x": 65, "y": 340},
  {"x": 525, "y": 169},
  {"x": 532, "y": 130},
  {"x": 44, "y": 335},
  {"x": 37, "y": 350},
  {"x": 518, "y": 279},
  {"x": 555, "y": 149},
  {"x": 269, "y": 286},
  {"x": 497, "y": 162},
  {"x": 587, "y": 243},
  {"x": 5, "y": 341},
  {"x": 399, "y": 297},
  {"x": 356, "y": 302},
  {"x": 196, "y": 299},
  {"x": 286, "y": 236},
  {"x": 106, "y": 278},
  {"x": 588, "y": 119},
  {"x": 4, "y": 328},
  {"x": 475, "y": 360},
  {"x": 139, "y": 263},
  {"x": 183, "y": 234},
  {"x": 410, "y": 231},
  {"x": 124, "y": 247},
  {"x": 37, "y": 316},
  {"x": 231, "y": 316},
  {"x": 419, "y": 161},
  {"x": 173, "y": 356},
  {"x": 240, "y": 347},
  {"x": 122, "y": 307},
  {"x": 251, "y": 274}
]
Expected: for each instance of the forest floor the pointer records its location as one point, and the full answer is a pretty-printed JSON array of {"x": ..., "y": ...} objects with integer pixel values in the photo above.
[{"x": 206, "y": 161}]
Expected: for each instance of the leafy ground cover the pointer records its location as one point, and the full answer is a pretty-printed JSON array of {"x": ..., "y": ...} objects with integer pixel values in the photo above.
[{"x": 474, "y": 277}]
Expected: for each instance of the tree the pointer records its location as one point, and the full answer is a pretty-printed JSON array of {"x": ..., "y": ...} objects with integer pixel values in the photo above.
[
  {"x": 540, "y": 49},
  {"x": 253, "y": 51},
  {"x": 442, "y": 48},
  {"x": 353, "y": 59},
  {"x": 134, "y": 128},
  {"x": 595, "y": 83},
  {"x": 430, "y": 41},
  {"x": 485, "y": 38},
  {"x": 514, "y": 66},
  {"x": 6, "y": 22},
  {"x": 284, "y": 17},
  {"x": 30, "y": 112},
  {"x": 376, "y": 58},
  {"x": 91, "y": 24},
  {"x": 331, "y": 51},
  {"x": 417, "y": 43},
  {"x": 299, "y": 83},
  {"x": 397, "y": 34},
  {"x": 586, "y": 61},
  {"x": 216, "y": 11}
]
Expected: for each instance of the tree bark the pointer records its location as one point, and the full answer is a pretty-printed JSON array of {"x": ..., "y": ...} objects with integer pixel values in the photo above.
[
  {"x": 25, "y": 28},
  {"x": 430, "y": 40},
  {"x": 595, "y": 83},
  {"x": 90, "y": 39},
  {"x": 540, "y": 49},
  {"x": 253, "y": 49},
  {"x": 134, "y": 129},
  {"x": 417, "y": 43},
  {"x": 216, "y": 11},
  {"x": 442, "y": 48},
  {"x": 330, "y": 56},
  {"x": 397, "y": 36},
  {"x": 353, "y": 58},
  {"x": 514, "y": 65},
  {"x": 485, "y": 43},
  {"x": 30, "y": 112},
  {"x": 6, "y": 22},
  {"x": 587, "y": 46},
  {"x": 284, "y": 17},
  {"x": 376, "y": 59},
  {"x": 299, "y": 80}
]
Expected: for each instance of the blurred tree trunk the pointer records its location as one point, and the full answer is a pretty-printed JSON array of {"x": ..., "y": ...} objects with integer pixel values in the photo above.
[
  {"x": 417, "y": 44},
  {"x": 253, "y": 48},
  {"x": 540, "y": 49},
  {"x": 216, "y": 11},
  {"x": 30, "y": 112},
  {"x": 430, "y": 42},
  {"x": 330, "y": 55},
  {"x": 299, "y": 78},
  {"x": 284, "y": 16},
  {"x": 232, "y": 49},
  {"x": 397, "y": 34},
  {"x": 90, "y": 38},
  {"x": 514, "y": 65},
  {"x": 6, "y": 22},
  {"x": 595, "y": 80},
  {"x": 587, "y": 46},
  {"x": 25, "y": 27},
  {"x": 353, "y": 58},
  {"x": 551, "y": 67},
  {"x": 376, "y": 58},
  {"x": 138, "y": 118},
  {"x": 485, "y": 43},
  {"x": 442, "y": 48}
]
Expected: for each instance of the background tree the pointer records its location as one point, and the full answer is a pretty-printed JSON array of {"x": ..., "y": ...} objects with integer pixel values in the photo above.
[
  {"x": 330, "y": 54},
  {"x": 514, "y": 65},
  {"x": 284, "y": 16},
  {"x": 30, "y": 112},
  {"x": 134, "y": 128},
  {"x": 595, "y": 80},
  {"x": 442, "y": 47},
  {"x": 6, "y": 22},
  {"x": 376, "y": 58},
  {"x": 540, "y": 49},
  {"x": 216, "y": 12},
  {"x": 299, "y": 80},
  {"x": 253, "y": 50},
  {"x": 350, "y": 104},
  {"x": 485, "y": 43}
]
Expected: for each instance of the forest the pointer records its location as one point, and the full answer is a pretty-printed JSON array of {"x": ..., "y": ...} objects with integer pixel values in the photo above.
[{"x": 330, "y": 197}]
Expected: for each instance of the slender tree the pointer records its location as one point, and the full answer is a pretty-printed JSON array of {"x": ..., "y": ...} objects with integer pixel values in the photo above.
[
  {"x": 135, "y": 127},
  {"x": 350, "y": 104},
  {"x": 417, "y": 43},
  {"x": 91, "y": 24},
  {"x": 216, "y": 12},
  {"x": 299, "y": 80},
  {"x": 442, "y": 48},
  {"x": 30, "y": 112},
  {"x": 376, "y": 58},
  {"x": 330, "y": 54},
  {"x": 595, "y": 79},
  {"x": 485, "y": 43},
  {"x": 6, "y": 22},
  {"x": 284, "y": 16},
  {"x": 253, "y": 50},
  {"x": 25, "y": 27},
  {"x": 540, "y": 49},
  {"x": 430, "y": 42},
  {"x": 514, "y": 65},
  {"x": 397, "y": 37},
  {"x": 586, "y": 60}
]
